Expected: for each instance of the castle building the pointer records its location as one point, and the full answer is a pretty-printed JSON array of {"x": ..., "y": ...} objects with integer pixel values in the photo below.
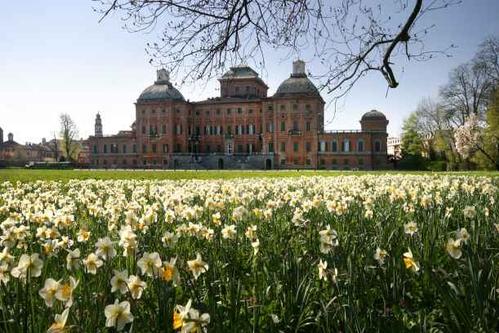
[{"x": 243, "y": 128}]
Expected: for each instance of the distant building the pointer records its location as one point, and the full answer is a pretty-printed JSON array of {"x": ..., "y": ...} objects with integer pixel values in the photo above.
[
  {"x": 394, "y": 147},
  {"x": 242, "y": 128},
  {"x": 13, "y": 153}
]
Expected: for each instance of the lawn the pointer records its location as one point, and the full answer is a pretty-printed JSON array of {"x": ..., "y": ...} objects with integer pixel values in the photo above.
[{"x": 65, "y": 175}]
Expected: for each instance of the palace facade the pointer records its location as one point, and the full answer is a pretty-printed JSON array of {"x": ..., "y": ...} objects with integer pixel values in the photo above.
[{"x": 243, "y": 128}]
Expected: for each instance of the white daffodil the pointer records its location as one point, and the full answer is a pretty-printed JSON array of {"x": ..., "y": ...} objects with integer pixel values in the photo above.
[
  {"x": 119, "y": 281},
  {"x": 453, "y": 248},
  {"x": 380, "y": 256},
  {"x": 328, "y": 240},
  {"x": 150, "y": 263},
  {"x": 169, "y": 272},
  {"x": 229, "y": 232},
  {"x": 411, "y": 228},
  {"x": 59, "y": 322},
  {"x": 169, "y": 239},
  {"x": 48, "y": 291},
  {"x": 322, "y": 266},
  {"x": 105, "y": 249},
  {"x": 28, "y": 264},
  {"x": 65, "y": 291},
  {"x": 463, "y": 235},
  {"x": 92, "y": 262},
  {"x": 197, "y": 266},
  {"x": 136, "y": 286},
  {"x": 73, "y": 260},
  {"x": 118, "y": 315}
]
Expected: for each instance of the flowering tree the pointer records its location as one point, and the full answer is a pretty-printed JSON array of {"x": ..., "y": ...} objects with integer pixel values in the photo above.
[{"x": 469, "y": 139}]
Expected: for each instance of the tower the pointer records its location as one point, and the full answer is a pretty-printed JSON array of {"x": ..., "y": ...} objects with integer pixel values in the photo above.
[
  {"x": 299, "y": 68},
  {"x": 1, "y": 135},
  {"x": 10, "y": 137},
  {"x": 98, "y": 126}
]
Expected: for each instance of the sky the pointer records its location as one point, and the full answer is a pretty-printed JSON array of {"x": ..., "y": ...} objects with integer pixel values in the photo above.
[{"x": 55, "y": 57}]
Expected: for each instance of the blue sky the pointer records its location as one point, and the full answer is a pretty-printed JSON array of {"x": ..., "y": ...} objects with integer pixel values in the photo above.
[{"x": 55, "y": 57}]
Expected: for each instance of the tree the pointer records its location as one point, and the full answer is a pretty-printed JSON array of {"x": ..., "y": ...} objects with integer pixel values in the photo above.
[
  {"x": 412, "y": 145},
  {"x": 68, "y": 133},
  {"x": 349, "y": 38}
]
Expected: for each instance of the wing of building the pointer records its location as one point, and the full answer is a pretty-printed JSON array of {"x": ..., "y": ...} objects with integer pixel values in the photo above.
[{"x": 242, "y": 129}]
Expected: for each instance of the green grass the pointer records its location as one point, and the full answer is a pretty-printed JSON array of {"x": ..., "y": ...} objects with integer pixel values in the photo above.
[{"x": 25, "y": 175}]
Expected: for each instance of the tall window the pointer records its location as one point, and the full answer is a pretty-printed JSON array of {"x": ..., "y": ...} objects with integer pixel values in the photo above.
[
  {"x": 165, "y": 148},
  {"x": 377, "y": 146},
  {"x": 360, "y": 145},
  {"x": 308, "y": 126},
  {"x": 345, "y": 145},
  {"x": 95, "y": 149},
  {"x": 124, "y": 149},
  {"x": 283, "y": 126},
  {"x": 295, "y": 125},
  {"x": 154, "y": 148},
  {"x": 105, "y": 149},
  {"x": 295, "y": 147},
  {"x": 163, "y": 129},
  {"x": 308, "y": 147},
  {"x": 283, "y": 147},
  {"x": 334, "y": 146},
  {"x": 134, "y": 148},
  {"x": 144, "y": 148},
  {"x": 271, "y": 147},
  {"x": 322, "y": 146}
]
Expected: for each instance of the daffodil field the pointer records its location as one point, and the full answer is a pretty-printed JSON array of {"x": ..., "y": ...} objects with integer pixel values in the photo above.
[{"x": 386, "y": 253}]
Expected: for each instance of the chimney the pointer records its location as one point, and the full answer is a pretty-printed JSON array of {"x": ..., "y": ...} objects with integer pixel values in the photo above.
[
  {"x": 44, "y": 141},
  {"x": 299, "y": 68},
  {"x": 10, "y": 137}
]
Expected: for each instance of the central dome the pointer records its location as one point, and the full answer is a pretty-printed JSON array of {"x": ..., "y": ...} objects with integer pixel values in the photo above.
[
  {"x": 298, "y": 83},
  {"x": 161, "y": 90}
]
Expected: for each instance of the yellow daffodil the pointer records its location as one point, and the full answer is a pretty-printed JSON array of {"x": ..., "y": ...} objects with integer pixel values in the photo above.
[{"x": 409, "y": 262}]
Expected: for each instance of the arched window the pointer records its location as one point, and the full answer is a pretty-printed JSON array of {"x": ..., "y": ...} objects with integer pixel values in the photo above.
[
  {"x": 334, "y": 146},
  {"x": 360, "y": 145},
  {"x": 346, "y": 145}
]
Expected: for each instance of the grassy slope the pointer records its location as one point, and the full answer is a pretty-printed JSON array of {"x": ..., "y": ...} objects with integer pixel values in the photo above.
[{"x": 64, "y": 175}]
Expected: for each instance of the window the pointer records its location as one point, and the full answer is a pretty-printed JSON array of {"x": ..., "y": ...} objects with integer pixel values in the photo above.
[
  {"x": 134, "y": 148},
  {"x": 295, "y": 146},
  {"x": 295, "y": 125},
  {"x": 360, "y": 146},
  {"x": 144, "y": 148},
  {"x": 270, "y": 127},
  {"x": 322, "y": 146},
  {"x": 308, "y": 147},
  {"x": 229, "y": 129},
  {"x": 218, "y": 111},
  {"x": 240, "y": 149},
  {"x": 377, "y": 146},
  {"x": 178, "y": 148},
  {"x": 295, "y": 106},
  {"x": 95, "y": 149},
  {"x": 308, "y": 126},
  {"x": 239, "y": 110},
  {"x": 179, "y": 129},
  {"x": 165, "y": 148},
  {"x": 208, "y": 149},
  {"x": 283, "y": 147},
  {"x": 228, "y": 111},
  {"x": 283, "y": 107},
  {"x": 345, "y": 161},
  {"x": 143, "y": 130},
  {"x": 163, "y": 129},
  {"x": 334, "y": 146},
  {"x": 229, "y": 148},
  {"x": 124, "y": 149},
  {"x": 283, "y": 162},
  {"x": 249, "y": 148},
  {"x": 154, "y": 148},
  {"x": 361, "y": 161},
  {"x": 345, "y": 145},
  {"x": 334, "y": 161},
  {"x": 105, "y": 149},
  {"x": 283, "y": 126},
  {"x": 271, "y": 147}
]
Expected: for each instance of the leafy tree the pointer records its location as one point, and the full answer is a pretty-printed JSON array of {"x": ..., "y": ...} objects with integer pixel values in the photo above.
[
  {"x": 412, "y": 145},
  {"x": 69, "y": 134}
]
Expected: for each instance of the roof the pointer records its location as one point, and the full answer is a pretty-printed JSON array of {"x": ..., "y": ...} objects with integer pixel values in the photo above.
[
  {"x": 160, "y": 91},
  {"x": 373, "y": 115},
  {"x": 297, "y": 84},
  {"x": 240, "y": 72},
  {"x": 215, "y": 100},
  {"x": 8, "y": 143}
]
